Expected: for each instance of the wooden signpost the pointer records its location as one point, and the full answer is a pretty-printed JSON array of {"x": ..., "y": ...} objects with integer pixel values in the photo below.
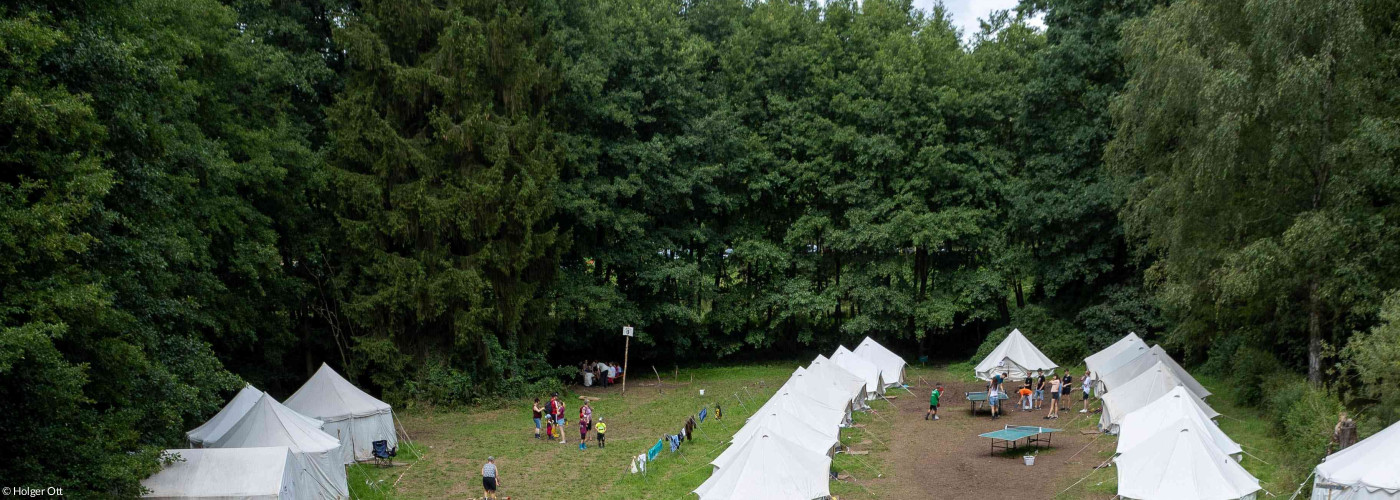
[{"x": 627, "y": 350}]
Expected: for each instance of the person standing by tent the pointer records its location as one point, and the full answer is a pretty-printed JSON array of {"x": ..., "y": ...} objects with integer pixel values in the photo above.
[
  {"x": 1085, "y": 385},
  {"x": 1054, "y": 397},
  {"x": 1039, "y": 395},
  {"x": 538, "y": 414},
  {"x": 490, "y": 479},
  {"x": 933, "y": 397}
]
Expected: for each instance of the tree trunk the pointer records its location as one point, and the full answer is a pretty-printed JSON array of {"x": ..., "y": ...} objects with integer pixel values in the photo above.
[
  {"x": 1020, "y": 295},
  {"x": 1314, "y": 335}
]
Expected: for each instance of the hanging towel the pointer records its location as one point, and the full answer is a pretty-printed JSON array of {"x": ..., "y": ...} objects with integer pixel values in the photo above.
[
  {"x": 703, "y": 412},
  {"x": 656, "y": 449}
]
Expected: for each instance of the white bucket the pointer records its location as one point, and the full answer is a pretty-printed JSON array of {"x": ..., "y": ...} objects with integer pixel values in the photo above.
[
  {"x": 702, "y": 392},
  {"x": 1030, "y": 459}
]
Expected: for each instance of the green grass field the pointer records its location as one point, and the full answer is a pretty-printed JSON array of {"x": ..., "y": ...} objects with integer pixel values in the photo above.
[{"x": 455, "y": 444}]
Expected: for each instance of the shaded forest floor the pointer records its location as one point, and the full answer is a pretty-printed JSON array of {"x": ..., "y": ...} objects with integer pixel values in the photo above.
[{"x": 902, "y": 455}]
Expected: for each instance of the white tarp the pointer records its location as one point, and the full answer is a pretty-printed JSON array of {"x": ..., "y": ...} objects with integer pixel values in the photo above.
[
  {"x": 817, "y": 389},
  {"x": 1368, "y": 470},
  {"x": 1142, "y": 391},
  {"x": 1142, "y": 363},
  {"x": 861, "y": 367},
  {"x": 1016, "y": 356},
  {"x": 850, "y": 385},
  {"x": 793, "y": 427},
  {"x": 1174, "y": 408},
  {"x": 320, "y": 475},
  {"x": 242, "y": 473},
  {"x": 782, "y": 425},
  {"x": 1114, "y": 356},
  {"x": 1179, "y": 463},
  {"x": 791, "y": 399},
  {"x": 352, "y": 416},
  {"x": 890, "y": 364},
  {"x": 770, "y": 467},
  {"x": 231, "y": 413}
]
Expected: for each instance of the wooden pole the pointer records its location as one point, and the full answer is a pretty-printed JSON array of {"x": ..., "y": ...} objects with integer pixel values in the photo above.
[{"x": 626, "y": 351}]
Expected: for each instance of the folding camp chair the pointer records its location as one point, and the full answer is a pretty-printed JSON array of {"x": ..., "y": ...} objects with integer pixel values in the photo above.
[{"x": 383, "y": 454}]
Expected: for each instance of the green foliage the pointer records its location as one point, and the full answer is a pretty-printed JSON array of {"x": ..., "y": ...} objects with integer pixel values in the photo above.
[
  {"x": 1304, "y": 417},
  {"x": 1374, "y": 358}
]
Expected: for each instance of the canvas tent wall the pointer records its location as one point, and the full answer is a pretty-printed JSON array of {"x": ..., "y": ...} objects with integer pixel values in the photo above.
[
  {"x": 814, "y": 436},
  {"x": 320, "y": 474},
  {"x": 807, "y": 437},
  {"x": 1142, "y": 363},
  {"x": 245, "y": 473},
  {"x": 231, "y": 413},
  {"x": 1016, "y": 356},
  {"x": 852, "y": 386},
  {"x": 814, "y": 385},
  {"x": 1181, "y": 463},
  {"x": 772, "y": 468},
  {"x": 874, "y": 385},
  {"x": 792, "y": 400},
  {"x": 352, "y": 416},
  {"x": 890, "y": 364},
  {"x": 1368, "y": 470},
  {"x": 1112, "y": 357},
  {"x": 1171, "y": 409},
  {"x": 1139, "y": 392}
]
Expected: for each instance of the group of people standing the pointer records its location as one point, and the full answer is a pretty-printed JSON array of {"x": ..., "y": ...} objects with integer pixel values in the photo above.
[
  {"x": 604, "y": 373},
  {"x": 1034, "y": 390},
  {"x": 551, "y": 419}
]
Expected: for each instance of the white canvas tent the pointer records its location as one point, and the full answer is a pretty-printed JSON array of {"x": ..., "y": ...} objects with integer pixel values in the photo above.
[
  {"x": 874, "y": 386},
  {"x": 352, "y": 416},
  {"x": 817, "y": 387},
  {"x": 1016, "y": 356},
  {"x": 771, "y": 468},
  {"x": 231, "y": 413},
  {"x": 1113, "y": 357},
  {"x": 1144, "y": 362},
  {"x": 819, "y": 438},
  {"x": 243, "y": 473},
  {"x": 1181, "y": 463},
  {"x": 775, "y": 424},
  {"x": 790, "y": 399},
  {"x": 1173, "y": 409},
  {"x": 1368, "y": 470},
  {"x": 1139, "y": 392},
  {"x": 852, "y": 386},
  {"x": 890, "y": 364},
  {"x": 320, "y": 474}
]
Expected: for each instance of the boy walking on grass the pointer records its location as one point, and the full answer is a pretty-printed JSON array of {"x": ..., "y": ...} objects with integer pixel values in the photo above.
[
  {"x": 933, "y": 402},
  {"x": 602, "y": 429}
]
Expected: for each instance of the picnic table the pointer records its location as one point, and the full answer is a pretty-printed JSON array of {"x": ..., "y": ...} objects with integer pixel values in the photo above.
[
  {"x": 977, "y": 399},
  {"x": 1007, "y": 438}
]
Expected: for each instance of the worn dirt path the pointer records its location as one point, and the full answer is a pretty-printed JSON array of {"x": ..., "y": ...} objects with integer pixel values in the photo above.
[{"x": 947, "y": 459}]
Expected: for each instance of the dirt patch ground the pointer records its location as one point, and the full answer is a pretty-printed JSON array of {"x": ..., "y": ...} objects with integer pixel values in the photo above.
[{"x": 947, "y": 459}]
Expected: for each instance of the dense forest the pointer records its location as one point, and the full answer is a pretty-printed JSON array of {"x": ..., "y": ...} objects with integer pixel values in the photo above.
[{"x": 454, "y": 200}]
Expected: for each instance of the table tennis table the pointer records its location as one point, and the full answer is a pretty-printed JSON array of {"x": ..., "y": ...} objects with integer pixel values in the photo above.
[
  {"x": 977, "y": 399},
  {"x": 1007, "y": 438}
]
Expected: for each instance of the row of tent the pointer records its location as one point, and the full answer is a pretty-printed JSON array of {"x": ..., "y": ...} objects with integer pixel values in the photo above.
[
  {"x": 1166, "y": 433},
  {"x": 784, "y": 450},
  {"x": 1169, "y": 445},
  {"x": 258, "y": 448}
]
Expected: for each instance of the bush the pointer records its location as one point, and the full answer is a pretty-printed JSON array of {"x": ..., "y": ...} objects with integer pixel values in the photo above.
[
  {"x": 1305, "y": 417},
  {"x": 1253, "y": 371}
]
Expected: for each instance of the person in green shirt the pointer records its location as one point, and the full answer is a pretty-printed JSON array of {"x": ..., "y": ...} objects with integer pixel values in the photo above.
[{"x": 933, "y": 402}]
